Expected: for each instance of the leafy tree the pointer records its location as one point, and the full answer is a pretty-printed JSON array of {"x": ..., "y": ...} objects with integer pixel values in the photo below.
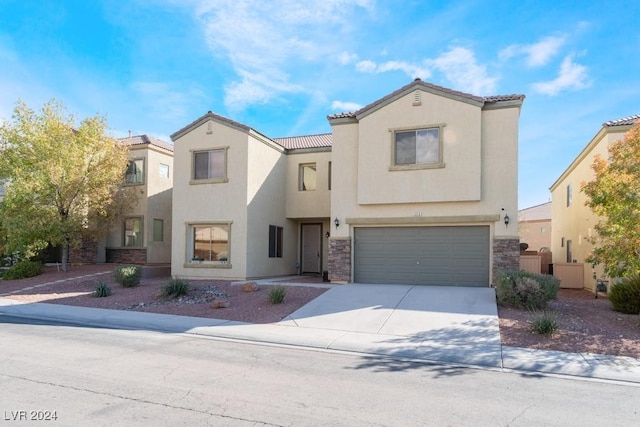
[
  {"x": 614, "y": 195},
  {"x": 64, "y": 180}
]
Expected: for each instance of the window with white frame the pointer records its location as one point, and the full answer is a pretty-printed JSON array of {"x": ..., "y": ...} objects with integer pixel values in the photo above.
[
  {"x": 307, "y": 177},
  {"x": 164, "y": 171},
  {"x": 210, "y": 165},
  {"x": 417, "y": 148},
  {"x": 210, "y": 242},
  {"x": 133, "y": 232},
  {"x": 135, "y": 172},
  {"x": 275, "y": 241}
]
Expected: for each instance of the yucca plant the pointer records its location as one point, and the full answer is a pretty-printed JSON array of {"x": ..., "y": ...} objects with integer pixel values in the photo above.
[
  {"x": 545, "y": 323},
  {"x": 102, "y": 290},
  {"x": 175, "y": 289},
  {"x": 277, "y": 294}
]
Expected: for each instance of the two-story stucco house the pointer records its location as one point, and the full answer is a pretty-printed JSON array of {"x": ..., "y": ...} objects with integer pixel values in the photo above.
[
  {"x": 573, "y": 222},
  {"x": 535, "y": 226},
  {"x": 417, "y": 187},
  {"x": 144, "y": 235}
]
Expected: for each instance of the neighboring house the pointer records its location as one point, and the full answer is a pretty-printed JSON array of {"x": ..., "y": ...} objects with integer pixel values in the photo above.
[
  {"x": 144, "y": 235},
  {"x": 535, "y": 226},
  {"x": 413, "y": 188},
  {"x": 573, "y": 222}
]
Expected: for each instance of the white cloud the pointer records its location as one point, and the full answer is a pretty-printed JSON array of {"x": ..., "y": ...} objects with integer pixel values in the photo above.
[
  {"x": 346, "y": 58},
  {"x": 411, "y": 70},
  {"x": 572, "y": 76},
  {"x": 460, "y": 67},
  {"x": 345, "y": 106},
  {"x": 261, "y": 39},
  {"x": 536, "y": 54}
]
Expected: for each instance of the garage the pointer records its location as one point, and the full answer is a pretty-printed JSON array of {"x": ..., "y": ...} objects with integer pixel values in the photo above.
[{"x": 443, "y": 256}]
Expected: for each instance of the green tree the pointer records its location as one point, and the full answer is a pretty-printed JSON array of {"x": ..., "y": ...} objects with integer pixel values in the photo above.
[
  {"x": 64, "y": 181},
  {"x": 614, "y": 195}
]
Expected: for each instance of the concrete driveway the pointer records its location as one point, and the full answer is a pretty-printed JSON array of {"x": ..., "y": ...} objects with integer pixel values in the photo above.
[{"x": 453, "y": 324}]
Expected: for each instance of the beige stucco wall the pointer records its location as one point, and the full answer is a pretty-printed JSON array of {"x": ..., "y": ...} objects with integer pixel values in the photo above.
[
  {"x": 537, "y": 234},
  {"x": 308, "y": 204},
  {"x": 484, "y": 192},
  {"x": 461, "y": 153},
  {"x": 266, "y": 199},
  {"x": 576, "y": 222},
  {"x": 153, "y": 201},
  {"x": 210, "y": 202}
]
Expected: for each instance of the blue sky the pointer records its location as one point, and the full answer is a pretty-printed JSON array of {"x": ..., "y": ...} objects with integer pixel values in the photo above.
[{"x": 282, "y": 66}]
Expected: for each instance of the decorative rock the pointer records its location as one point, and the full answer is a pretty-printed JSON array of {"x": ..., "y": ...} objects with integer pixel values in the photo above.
[
  {"x": 250, "y": 287},
  {"x": 219, "y": 303}
]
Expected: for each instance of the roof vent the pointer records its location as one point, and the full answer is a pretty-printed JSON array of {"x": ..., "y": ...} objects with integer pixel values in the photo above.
[
  {"x": 210, "y": 127},
  {"x": 417, "y": 100}
]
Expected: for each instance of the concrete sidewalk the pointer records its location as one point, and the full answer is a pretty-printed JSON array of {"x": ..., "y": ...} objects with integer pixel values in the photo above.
[{"x": 429, "y": 324}]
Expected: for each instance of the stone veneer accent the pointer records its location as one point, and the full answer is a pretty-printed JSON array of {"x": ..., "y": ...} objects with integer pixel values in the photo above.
[
  {"x": 340, "y": 260},
  {"x": 506, "y": 254},
  {"x": 127, "y": 255},
  {"x": 87, "y": 253}
]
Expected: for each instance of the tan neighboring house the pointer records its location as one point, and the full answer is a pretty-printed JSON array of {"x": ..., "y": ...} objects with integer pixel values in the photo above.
[
  {"x": 535, "y": 226},
  {"x": 573, "y": 222},
  {"x": 144, "y": 235},
  {"x": 418, "y": 187}
]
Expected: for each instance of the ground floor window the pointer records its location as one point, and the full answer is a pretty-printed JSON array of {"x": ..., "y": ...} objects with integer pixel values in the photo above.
[
  {"x": 158, "y": 230},
  {"x": 275, "y": 241},
  {"x": 133, "y": 232},
  {"x": 210, "y": 242}
]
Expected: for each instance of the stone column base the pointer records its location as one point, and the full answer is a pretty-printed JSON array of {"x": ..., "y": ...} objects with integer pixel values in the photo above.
[{"x": 340, "y": 260}]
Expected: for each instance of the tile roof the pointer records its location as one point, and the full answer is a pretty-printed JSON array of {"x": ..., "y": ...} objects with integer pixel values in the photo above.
[
  {"x": 306, "y": 141},
  {"x": 417, "y": 83},
  {"x": 623, "y": 121},
  {"x": 146, "y": 139}
]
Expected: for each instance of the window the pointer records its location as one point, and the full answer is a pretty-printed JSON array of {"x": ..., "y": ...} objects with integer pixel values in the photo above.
[
  {"x": 329, "y": 176},
  {"x": 569, "y": 194},
  {"x": 569, "y": 251},
  {"x": 158, "y": 230},
  {"x": 135, "y": 172},
  {"x": 210, "y": 166},
  {"x": 133, "y": 232},
  {"x": 164, "y": 171},
  {"x": 543, "y": 229},
  {"x": 307, "y": 177},
  {"x": 211, "y": 243},
  {"x": 417, "y": 149},
  {"x": 275, "y": 241}
]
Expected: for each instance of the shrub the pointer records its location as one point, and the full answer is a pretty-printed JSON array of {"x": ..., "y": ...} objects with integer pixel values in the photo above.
[
  {"x": 525, "y": 290},
  {"x": 277, "y": 294},
  {"x": 22, "y": 270},
  {"x": 175, "y": 288},
  {"x": 545, "y": 323},
  {"x": 128, "y": 276},
  {"x": 102, "y": 290},
  {"x": 625, "y": 295}
]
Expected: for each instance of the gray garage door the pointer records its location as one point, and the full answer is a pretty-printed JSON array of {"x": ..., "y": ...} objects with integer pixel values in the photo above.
[{"x": 454, "y": 256}]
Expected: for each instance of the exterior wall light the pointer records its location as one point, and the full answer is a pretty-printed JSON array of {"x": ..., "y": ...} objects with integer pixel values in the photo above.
[
  {"x": 506, "y": 220},
  {"x": 336, "y": 222}
]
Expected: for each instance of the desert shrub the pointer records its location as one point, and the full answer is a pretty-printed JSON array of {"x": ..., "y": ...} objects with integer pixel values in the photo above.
[
  {"x": 128, "y": 276},
  {"x": 175, "y": 288},
  {"x": 22, "y": 270},
  {"x": 525, "y": 290},
  {"x": 277, "y": 294},
  {"x": 545, "y": 323},
  {"x": 102, "y": 290},
  {"x": 625, "y": 295}
]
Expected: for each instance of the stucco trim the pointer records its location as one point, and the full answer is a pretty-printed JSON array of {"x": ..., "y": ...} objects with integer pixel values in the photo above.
[
  {"x": 503, "y": 104},
  {"x": 452, "y": 219},
  {"x": 308, "y": 150}
]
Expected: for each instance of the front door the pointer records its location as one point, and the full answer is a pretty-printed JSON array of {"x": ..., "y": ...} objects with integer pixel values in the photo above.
[{"x": 311, "y": 248}]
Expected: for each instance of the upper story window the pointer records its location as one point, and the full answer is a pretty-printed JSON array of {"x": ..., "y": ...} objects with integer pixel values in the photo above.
[
  {"x": 569, "y": 194},
  {"x": 210, "y": 165},
  {"x": 135, "y": 172},
  {"x": 307, "y": 179},
  {"x": 164, "y": 171},
  {"x": 417, "y": 148}
]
